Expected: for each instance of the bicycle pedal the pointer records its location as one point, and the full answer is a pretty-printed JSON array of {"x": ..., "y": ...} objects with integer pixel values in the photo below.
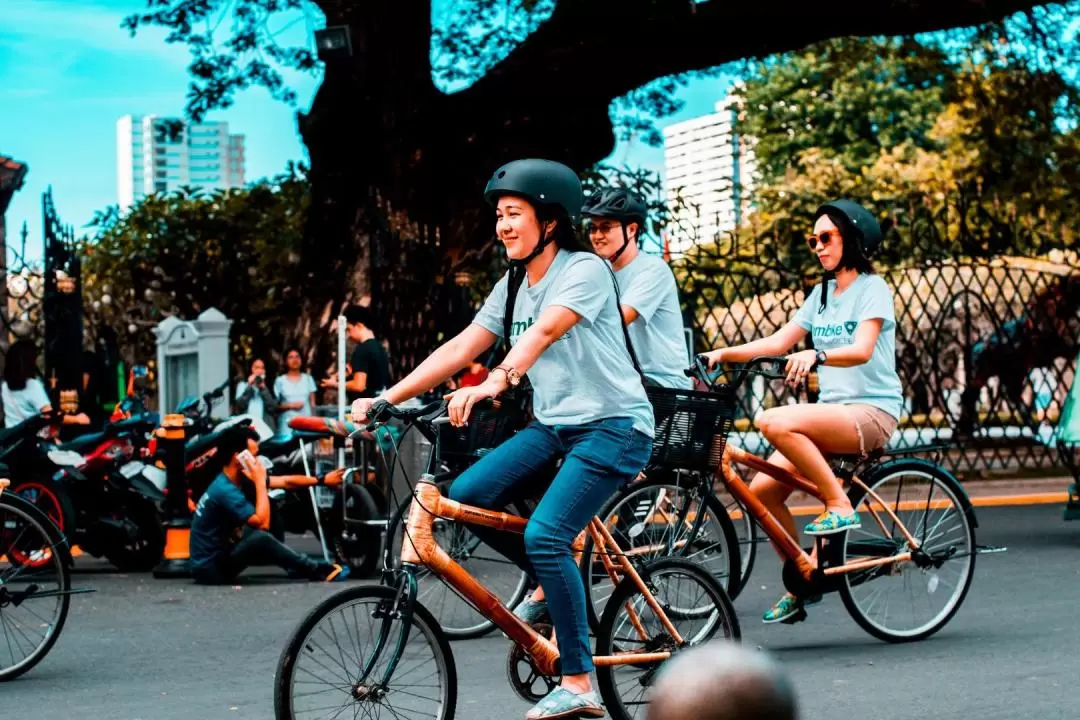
[{"x": 796, "y": 618}]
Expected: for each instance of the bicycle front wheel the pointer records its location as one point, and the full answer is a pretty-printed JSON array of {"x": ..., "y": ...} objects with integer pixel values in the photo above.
[
  {"x": 630, "y": 625},
  {"x": 334, "y": 665},
  {"x": 35, "y": 585},
  {"x": 658, "y": 518}
]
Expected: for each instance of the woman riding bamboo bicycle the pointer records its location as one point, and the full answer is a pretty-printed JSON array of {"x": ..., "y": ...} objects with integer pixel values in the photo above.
[
  {"x": 558, "y": 306},
  {"x": 851, "y": 320}
]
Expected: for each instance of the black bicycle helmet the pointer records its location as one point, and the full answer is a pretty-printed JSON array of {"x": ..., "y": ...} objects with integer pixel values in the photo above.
[
  {"x": 862, "y": 222},
  {"x": 618, "y": 204},
  {"x": 542, "y": 182}
]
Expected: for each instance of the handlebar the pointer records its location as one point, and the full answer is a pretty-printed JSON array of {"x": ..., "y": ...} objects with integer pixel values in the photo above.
[
  {"x": 700, "y": 370},
  {"x": 382, "y": 411}
]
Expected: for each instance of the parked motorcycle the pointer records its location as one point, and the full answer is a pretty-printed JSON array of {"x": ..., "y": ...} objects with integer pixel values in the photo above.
[{"x": 92, "y": 489}]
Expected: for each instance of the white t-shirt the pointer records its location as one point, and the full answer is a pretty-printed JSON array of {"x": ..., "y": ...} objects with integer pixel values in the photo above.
[
  {"x": 288, "y": 391},
  {"x": 586, "y": 375},
  {"x": 872, "y": 383},
  {"x": 26, "y": 403},
  {"x": 648, "y": 285}
]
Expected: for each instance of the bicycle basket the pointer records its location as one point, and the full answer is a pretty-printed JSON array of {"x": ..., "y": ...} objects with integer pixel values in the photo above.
[
  {"x": 488, "y": 427},
  {"x": 691, "y": 427}
]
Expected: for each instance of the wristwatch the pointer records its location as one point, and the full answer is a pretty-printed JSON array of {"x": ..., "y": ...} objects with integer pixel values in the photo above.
[
  {"x": 821, "y": 357},
  {"x": 512, "y": 376}
]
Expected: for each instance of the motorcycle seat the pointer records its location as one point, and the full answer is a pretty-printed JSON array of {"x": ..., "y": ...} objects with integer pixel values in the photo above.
[
  {"x": 83, "y": 443},
  {"x": 277, "y": 445}
]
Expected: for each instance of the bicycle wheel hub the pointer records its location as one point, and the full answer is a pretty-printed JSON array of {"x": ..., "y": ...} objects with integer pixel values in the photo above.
[{"x": 364, "y": 691}]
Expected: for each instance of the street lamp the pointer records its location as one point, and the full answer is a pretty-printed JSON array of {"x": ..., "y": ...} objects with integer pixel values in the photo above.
[{"x": 333, "y": 43}]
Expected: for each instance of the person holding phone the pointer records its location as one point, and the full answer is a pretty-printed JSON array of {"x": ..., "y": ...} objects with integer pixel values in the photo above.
[
  {"x": 254, "y": 396},
  {"x": 229, "y": 533}
]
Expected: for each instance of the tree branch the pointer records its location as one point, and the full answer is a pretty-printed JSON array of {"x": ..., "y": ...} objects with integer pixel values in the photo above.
[{"x": 590, "y": 48}]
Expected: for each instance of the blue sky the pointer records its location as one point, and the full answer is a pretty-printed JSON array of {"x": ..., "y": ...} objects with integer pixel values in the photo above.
[{"x": 69, "y": 71}]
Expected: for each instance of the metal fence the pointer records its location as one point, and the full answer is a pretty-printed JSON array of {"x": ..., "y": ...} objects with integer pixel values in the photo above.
[{"x": 985, "y": 346}]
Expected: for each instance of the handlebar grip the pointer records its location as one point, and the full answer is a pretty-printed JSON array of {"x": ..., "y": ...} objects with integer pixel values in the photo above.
[{"x": 776, "y": 361}]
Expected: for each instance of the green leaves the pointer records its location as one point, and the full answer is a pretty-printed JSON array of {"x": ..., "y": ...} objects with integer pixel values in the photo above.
[
  {"x": 900, "y": 124},
  {"x": 186, "y": 251}
]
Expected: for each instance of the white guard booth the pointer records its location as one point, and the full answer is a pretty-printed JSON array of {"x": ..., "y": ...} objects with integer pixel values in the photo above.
[{"x": 192, "y": 359}]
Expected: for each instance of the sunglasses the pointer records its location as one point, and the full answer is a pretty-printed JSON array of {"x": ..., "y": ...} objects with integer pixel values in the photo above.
[
  {"x": 825, "y": 237},
  {"x": 600, "y": 227}
]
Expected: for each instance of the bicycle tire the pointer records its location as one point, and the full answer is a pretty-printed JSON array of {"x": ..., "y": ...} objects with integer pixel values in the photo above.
[
  {"x": 731, "y": 567},
  {"x": 875, "y": 477},
  {"x": 747, "y": 547},
  {"x": 421, "y": 616},
  {"x": 58, "y": 545},
  {"x": 727, "y": 621}
]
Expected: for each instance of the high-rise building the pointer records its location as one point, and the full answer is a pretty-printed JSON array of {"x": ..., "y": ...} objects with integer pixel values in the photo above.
[
  {"x": 708, "y": 174},
  {"x": 160, "y": 154}
]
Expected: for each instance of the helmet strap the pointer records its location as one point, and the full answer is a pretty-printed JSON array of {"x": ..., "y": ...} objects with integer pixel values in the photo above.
[
  {"x": 625, "y": 244},
  {"x": 545, "y": 240}
]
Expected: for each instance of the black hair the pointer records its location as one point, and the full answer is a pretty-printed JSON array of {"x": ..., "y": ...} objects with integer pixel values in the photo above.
[
  {"x": 235, "y": 440},
  {"x": 359, "y": 315},
  {"x": 285, "y": 356},
  {"x": 851, "y": 256},
  {"x": 20, "y": 364}
]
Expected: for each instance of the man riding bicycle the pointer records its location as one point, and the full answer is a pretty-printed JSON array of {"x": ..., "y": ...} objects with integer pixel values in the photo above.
[{"x": 649, "y": 298}]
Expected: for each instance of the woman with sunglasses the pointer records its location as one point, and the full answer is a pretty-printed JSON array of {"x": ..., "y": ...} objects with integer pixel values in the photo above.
[{"x": 851, "y": 321}]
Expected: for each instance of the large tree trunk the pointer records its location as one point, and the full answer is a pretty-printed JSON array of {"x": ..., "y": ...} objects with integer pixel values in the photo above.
[{"x": 399, "y": 180}]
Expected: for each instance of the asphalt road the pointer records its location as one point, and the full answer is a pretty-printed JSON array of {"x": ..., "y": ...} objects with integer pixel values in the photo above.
[{"x": 145, "y": 649}]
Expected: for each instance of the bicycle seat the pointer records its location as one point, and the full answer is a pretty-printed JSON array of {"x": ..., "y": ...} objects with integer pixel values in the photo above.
[{"x": 853, "y": 459}]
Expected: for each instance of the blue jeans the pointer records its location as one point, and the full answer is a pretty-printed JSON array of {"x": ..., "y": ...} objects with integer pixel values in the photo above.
[{"x": 599, "y": 458}]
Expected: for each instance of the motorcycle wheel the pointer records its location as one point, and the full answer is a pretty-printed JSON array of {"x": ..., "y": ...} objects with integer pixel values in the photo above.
[
  {"x": 144, "y": 551},
  {"x": 358, "y": 546}
]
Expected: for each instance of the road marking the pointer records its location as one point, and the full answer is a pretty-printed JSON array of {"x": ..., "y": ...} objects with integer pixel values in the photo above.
[{"x": 1046, "y": 498}]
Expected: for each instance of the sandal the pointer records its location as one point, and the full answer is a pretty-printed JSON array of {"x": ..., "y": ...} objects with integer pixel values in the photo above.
[
  {"x": 788, "y": 608},
  {"x": 563, "y": 703},
  {"x": 830, "y": 522}
]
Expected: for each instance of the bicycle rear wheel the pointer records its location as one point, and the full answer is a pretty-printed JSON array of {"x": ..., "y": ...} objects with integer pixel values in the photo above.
[
  {"x": 321, "y": 674},
  {"x": 35, "y": 583},
  {"x": 675, "y": 583},
  {"x": 911, "y": 600}
]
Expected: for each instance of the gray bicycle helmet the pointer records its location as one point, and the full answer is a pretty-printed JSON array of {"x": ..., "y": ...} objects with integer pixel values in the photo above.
[
  {"x": 616, "y": 203},
  {"x": 542, "y": 182}
]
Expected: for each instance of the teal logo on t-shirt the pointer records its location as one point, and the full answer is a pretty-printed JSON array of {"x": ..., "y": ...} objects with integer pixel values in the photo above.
[
  {"x": 834, "y": 330},
  {"x": 518, "y": 327}
]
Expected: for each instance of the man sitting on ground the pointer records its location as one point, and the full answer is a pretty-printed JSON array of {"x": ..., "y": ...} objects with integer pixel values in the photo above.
[{"x": 229, "y": 533}]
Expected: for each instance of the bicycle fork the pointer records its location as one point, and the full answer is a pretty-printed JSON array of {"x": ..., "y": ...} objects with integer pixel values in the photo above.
[{"x": 400, "y": 608}]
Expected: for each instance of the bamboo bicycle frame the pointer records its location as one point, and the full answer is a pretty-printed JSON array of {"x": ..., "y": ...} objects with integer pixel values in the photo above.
[
  {"x": 776, "y": 532},
  {"x": 419, "y": 547}
]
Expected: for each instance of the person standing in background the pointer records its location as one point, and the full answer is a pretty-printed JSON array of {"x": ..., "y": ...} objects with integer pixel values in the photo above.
[
  {"x": 369, "y": 366},
  {"x": 295, "y": 391}
]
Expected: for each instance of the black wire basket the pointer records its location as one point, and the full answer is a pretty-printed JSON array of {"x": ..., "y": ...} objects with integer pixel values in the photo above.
[
  {"x": 489, "y": 426},
  {"x": 691, "y": 427}
]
